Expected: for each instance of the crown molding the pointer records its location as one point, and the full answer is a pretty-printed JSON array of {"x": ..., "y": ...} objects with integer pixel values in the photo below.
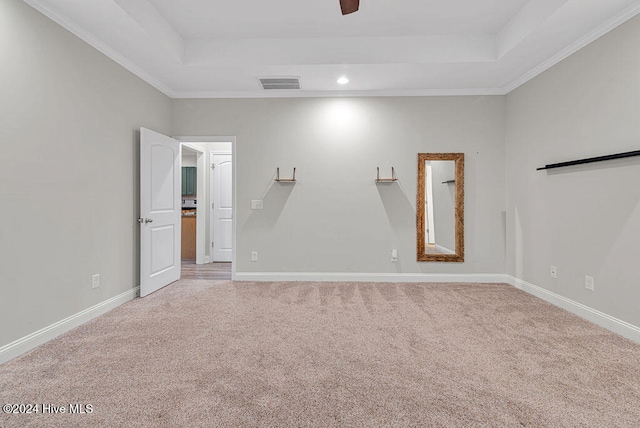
[
  {"x": 107, "y": 50},
  {"x": 583, "y": 41},
  {"x": 96, "y": 43},
  {"x": 102, "y": 47},
  {"x": 339, "y": 94}
]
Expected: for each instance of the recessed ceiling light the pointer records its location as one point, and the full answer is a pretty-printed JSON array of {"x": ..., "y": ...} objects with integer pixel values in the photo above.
[{"x": 343, "y": 80}]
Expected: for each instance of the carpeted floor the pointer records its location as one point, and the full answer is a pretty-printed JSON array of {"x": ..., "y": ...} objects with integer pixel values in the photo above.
[{"x": 204, "y": 354}]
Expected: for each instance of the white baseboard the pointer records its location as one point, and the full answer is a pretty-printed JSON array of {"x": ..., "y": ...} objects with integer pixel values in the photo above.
[
  {"x": 369, "y": 277},
  {"x": 620, "y": 327},
  {"x": 613, "y": 324},
  {"x": 24, "y": 344}
]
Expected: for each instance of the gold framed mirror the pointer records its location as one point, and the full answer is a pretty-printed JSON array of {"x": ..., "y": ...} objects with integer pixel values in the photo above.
[{"x": 440, "y": 207}]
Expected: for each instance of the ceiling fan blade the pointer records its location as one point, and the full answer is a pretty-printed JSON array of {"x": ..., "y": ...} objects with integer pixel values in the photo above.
[{"x": 349, "y": 6}]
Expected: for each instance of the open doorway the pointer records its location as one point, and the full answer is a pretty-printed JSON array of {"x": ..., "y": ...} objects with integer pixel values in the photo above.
[
  {"x": 190, "y": 194},
  {"x": 214, "y": 207}
]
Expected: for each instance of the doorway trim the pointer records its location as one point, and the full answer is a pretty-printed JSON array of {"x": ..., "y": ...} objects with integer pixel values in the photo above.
[{"x": 201, "y": 180}]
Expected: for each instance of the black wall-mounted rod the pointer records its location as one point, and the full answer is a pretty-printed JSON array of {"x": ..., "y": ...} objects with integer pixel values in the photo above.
[{"x": 591, "y": 160}]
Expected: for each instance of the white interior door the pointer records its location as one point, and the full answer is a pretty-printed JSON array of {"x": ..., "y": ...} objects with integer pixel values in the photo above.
[
  {"x": 160, "y": 211},
  {"x": 221, "y": 207}
]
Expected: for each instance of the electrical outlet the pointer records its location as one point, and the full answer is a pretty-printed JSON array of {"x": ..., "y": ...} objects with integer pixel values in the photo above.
[
  {"x": 254, "y": 256},
  {"x": 588, "y": 282},
  {"x": 394, "y": 255},
  {"x": 554, "y": 272},
  {"x": 257, "y": 204},
  {"x": 95, "y": 281}
]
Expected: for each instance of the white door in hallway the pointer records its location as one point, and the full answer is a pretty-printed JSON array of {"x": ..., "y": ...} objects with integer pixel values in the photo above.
[
  {"x": 221, "y": 207},
  {"x": 160, "y": 211}
]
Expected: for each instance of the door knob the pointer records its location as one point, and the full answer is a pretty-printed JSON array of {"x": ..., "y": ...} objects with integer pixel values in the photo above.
[{"x": 148, "y": 220}]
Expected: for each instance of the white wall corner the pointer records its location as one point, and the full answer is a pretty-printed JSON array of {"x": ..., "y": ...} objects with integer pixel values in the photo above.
[
  {"x": 613, "y": 324},
  {"x": 33, "y": 340}
]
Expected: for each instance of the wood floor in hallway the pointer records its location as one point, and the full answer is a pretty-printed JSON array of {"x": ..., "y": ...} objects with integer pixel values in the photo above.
[{"x": 212, "y": 271}]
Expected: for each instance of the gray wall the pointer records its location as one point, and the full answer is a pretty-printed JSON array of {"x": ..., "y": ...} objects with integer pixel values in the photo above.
[
  {"x": 69, "y": 120},
  {"x": 584, "y": 220},
  {"x": 335, "y": 218}
]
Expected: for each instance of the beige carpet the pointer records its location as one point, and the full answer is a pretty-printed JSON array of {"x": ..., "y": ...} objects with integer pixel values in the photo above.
[{"x": 204, "y": 354}]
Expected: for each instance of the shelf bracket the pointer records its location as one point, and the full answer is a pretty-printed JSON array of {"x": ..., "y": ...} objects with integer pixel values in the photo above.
[
  {"x": 386, "y": 180},
  {"x": 285, "y": 180}
]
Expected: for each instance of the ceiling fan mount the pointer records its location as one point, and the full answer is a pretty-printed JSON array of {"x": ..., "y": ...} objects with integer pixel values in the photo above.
[{"x": 349, "y": 6}]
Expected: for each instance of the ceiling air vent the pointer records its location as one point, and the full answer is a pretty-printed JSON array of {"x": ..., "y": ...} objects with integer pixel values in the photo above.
[{"x": 280, "y": 83}]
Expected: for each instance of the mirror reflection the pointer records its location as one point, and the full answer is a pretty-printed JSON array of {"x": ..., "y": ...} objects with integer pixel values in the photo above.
[{"x": 440, "y": 207}]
